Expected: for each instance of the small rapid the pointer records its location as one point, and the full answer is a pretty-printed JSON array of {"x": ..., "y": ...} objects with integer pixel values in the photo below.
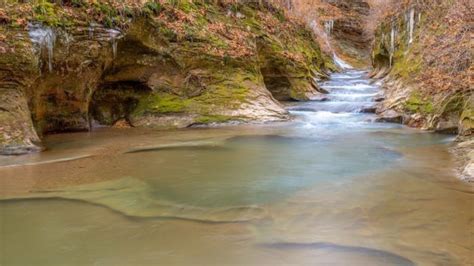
[{"x": 349, "y": 102}]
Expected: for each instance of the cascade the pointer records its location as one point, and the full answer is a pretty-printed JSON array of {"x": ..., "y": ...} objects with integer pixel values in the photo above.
[{"x": 341, "y": 63}]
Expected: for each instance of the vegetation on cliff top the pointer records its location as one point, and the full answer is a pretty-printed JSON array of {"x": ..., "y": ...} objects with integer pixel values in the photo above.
[{"x": 192, "y": 20}]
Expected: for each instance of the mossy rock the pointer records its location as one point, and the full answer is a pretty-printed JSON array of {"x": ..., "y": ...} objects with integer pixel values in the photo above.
[
  {"x": 418, "y": 103},
  {"x": 466, "y": 124},
  {"x": 215, "y": 119},
  {"x": 161, "y": 103}
]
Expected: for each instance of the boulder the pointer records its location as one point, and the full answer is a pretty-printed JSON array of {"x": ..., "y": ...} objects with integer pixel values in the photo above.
[
  {"x": 390, "y": 116},
  {"x": 447, "y": 126},
  {"x": 369, "y": 110}
]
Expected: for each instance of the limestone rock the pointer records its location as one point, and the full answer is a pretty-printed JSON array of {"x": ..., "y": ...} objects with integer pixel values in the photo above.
[
  {"x": 390, "y": 116},
  {"x": 447, "y": 126}
]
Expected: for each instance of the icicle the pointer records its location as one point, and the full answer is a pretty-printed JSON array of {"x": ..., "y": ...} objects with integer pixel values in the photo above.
[
  {"x": 91, "y": 32},
  {"x": 329, "y": 26},
  {"x": 412, "y": 24},
  {"x": 49, "y": 41},
  {"x": 407, "y": 20},
  {"x": 392, "y": 44},
  {"x": 114, "y": 47},
  {"x": 45, "y": 37},
  {"x": 113, "y": 35}
]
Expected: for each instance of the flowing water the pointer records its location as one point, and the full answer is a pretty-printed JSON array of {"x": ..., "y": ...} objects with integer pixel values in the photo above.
[{"x": 331, "y": 187}]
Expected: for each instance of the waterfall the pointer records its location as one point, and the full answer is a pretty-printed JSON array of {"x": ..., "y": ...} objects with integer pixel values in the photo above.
[
  {"x": 314, "y": 25},
  {"x": 113, "y": 37},
  {"x": 45, "y": 38},
  {"x": 392, "y": 43},
  {"x": 329, "y": 26},
  {"x": 411, "y": 24},
  {"x": 341, "y": 63},
  {"x": 49, "y": 42}
]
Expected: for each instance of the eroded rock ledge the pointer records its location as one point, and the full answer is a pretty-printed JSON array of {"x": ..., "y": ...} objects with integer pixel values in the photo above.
[{"x": 173, "y": 66}]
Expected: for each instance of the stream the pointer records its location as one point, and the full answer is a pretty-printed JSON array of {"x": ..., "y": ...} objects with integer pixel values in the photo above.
[{"x": 330, "y": 186}]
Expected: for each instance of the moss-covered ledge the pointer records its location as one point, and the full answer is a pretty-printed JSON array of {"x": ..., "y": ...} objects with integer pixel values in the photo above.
[{"x": 149, "y": 64}]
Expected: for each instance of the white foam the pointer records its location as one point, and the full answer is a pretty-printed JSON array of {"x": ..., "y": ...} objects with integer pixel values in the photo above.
[
  {"x": 341, "y": 63},
  {"x": 321, "y": 116},
  {"x": 352, "y": 96},
  {"x": 355, "y": 87}
]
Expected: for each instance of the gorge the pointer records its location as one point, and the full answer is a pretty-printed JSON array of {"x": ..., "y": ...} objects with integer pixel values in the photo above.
[{"x": 308, "y": 132}]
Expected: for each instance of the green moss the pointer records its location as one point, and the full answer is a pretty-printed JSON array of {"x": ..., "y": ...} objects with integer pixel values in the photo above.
[
  {"x": 405, "y": 65},
  {"x": 208, "y": 119},
  {"x": 161, "y": 103},
  {"x": 417, "y": 104},
  {"x": 49, "y": 14},
  {"x": 152, "y": 8},
  {"x": 297, "y": 95},
  {"x": 217, "y": 41},
  {"x": 186, "y": 6},
  {"x": 467, "y": 119},
  {"x": 225, "y": 94},
  {"x": 453, "y": 105}
]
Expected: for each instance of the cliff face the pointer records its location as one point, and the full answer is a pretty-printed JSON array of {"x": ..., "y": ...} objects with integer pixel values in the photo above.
[
  {"x": 349, "y": 30},
  {"x": 156, "y": 65},
  {"x": 341, "y": 25},
  {"x": 423, "y": 53}
]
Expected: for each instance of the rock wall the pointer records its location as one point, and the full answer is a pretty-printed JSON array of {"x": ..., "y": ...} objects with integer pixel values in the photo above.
[
  {"x": 167, "y": 65},
  {"x": 422, "y": 54},
  {"x": 18, "y": 71},
  {"x": 348, "y": 30}
]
